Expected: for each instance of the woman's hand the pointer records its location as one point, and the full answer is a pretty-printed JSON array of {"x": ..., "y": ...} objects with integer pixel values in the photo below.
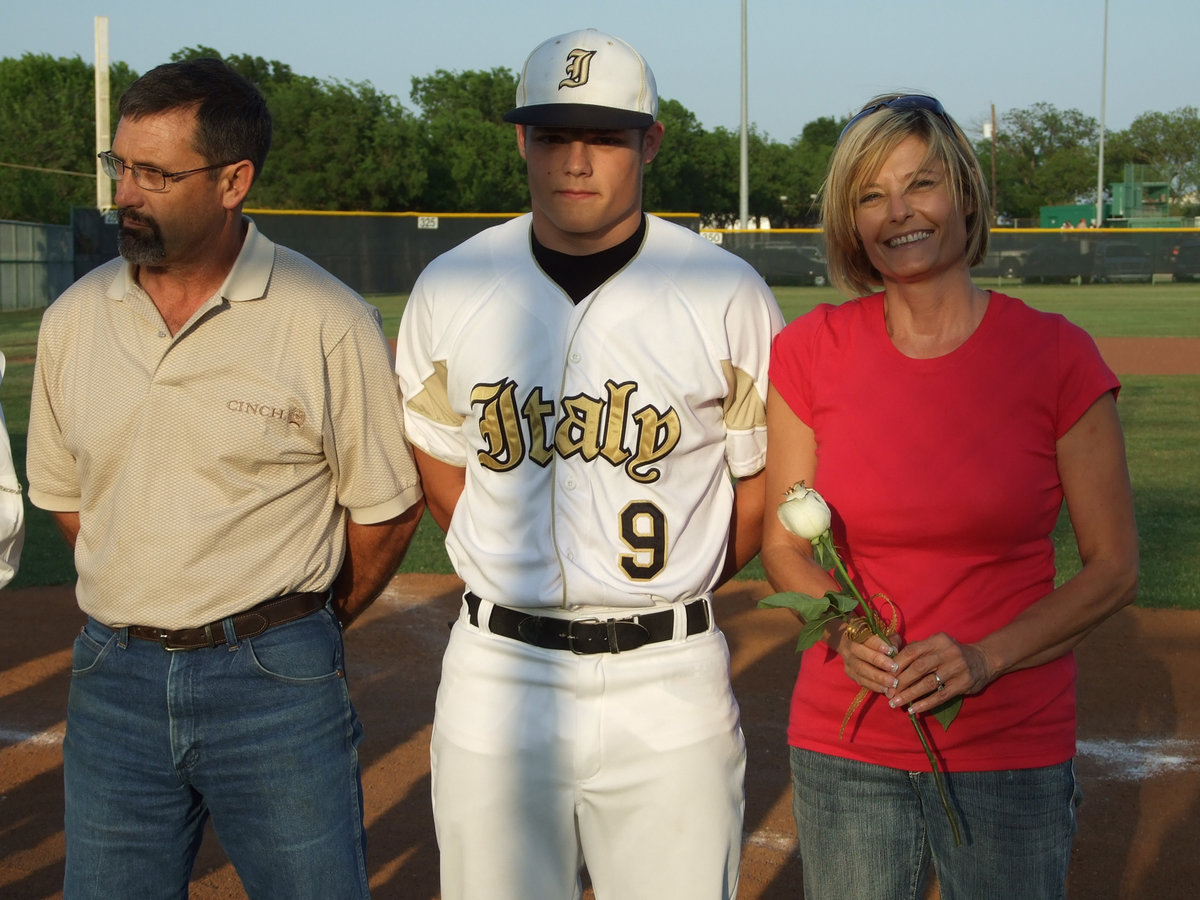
[
  {"x": 869, "y": 663},
  {"x": 938, "y": 669}
]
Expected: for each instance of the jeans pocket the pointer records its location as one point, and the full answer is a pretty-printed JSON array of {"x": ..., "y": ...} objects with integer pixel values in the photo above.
[
  {"x": 304, "y": 651},
  {"x": 91, "y": 646}
]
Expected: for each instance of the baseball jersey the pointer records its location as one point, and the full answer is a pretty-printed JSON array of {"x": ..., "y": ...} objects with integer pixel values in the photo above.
[{"x": 598, "y": 438}]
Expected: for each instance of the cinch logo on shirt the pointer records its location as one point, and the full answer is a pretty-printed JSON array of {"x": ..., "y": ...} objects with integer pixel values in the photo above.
[
  {"x": 592, "y": 427},
  {"x": 291, "y": 416}
]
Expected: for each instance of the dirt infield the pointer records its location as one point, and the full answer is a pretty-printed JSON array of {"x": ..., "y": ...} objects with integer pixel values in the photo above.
[
  {"x": 1139, "y": 762},
  {"x": 1139, "y": 733},
  {"x": 1151, "y": 356}
]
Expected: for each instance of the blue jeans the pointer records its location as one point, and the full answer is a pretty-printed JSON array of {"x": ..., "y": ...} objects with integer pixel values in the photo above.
[
  {"x": 258, "y": 734},
  {"x": 867, "y": 832}
]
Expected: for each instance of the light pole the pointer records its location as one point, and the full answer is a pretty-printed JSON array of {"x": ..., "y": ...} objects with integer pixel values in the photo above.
[
  {"x": 103, "y": 184},
  {"x": 1103, "y": 88},
  {"x": 989, "y": 131},
  {"x": 744, "y": 172}
]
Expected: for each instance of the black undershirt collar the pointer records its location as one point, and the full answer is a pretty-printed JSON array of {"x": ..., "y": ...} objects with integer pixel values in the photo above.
[{"x": 578, "y": 276}]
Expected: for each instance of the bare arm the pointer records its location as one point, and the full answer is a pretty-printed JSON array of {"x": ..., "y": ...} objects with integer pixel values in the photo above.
[
  {"x": 1091, "y": 463},
  {"x": 745, "y": 524},
  {"x": 788, "y": 560},
  {"x": 443, "y": 484},
  {"x": 791, "y": 457},
  {"x": 373, "y": 552},
  {"x": 68, "y": 524},
  {"x": 1095, "y": 479}
]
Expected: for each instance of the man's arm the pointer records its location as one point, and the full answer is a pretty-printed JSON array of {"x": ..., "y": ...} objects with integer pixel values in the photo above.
[
  {"x": 745, "y": 525},
  {"x": 373, "y": 553},
  {"x": 443, "y": 484},
  {"x": 68, "y": 524}
]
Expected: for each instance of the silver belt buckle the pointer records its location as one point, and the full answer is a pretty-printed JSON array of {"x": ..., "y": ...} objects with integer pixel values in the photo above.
[
  {"x": 170, "y": 648},
  {"x": 630, "y": 624},
  {"x": 588, "y": 621}
]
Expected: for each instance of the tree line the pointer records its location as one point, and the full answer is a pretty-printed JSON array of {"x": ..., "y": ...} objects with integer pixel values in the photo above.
[{"x": 344, "y": 145}]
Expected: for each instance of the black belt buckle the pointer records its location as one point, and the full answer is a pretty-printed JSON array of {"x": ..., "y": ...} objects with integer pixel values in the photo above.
[{"x": 622, "y": 634}]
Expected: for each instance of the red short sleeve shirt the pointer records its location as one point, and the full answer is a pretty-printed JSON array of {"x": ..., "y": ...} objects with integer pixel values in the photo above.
[{"x": 942, "y": 477}]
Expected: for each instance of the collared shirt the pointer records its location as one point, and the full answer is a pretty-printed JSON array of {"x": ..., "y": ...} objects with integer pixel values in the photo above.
[{"x": 215, "y": 468}]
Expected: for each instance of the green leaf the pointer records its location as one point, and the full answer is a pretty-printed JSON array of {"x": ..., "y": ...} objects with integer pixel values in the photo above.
[
  {"x": 808, "y": 607},
  {"x": 946, "y": 713},
  {"x": 817, "y": 612},
  {"x": 843, "y": 602},
  {"x": 813, "y": 630}
]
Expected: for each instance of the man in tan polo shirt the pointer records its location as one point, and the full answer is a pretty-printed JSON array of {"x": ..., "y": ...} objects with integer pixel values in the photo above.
[{"x": 216, "y": 428}]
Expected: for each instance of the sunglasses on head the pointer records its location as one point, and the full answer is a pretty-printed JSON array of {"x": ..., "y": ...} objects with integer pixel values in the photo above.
[{"x": 908, "y": 101}]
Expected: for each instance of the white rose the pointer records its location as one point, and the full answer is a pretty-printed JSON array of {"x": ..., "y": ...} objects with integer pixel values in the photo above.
[{"x": 804, "y": 512}]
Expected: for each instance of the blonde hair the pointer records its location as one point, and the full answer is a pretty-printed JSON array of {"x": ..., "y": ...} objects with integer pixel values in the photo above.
[{"x": 860, "y": 154}]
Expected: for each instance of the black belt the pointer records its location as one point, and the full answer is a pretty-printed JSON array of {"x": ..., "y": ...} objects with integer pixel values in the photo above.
[
  {"x": 589, "y": 635},
  {"x": 253, "y": 621}
]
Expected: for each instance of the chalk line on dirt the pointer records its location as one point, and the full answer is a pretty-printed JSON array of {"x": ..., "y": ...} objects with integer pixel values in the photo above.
[
  {"x": 47, "y": 738},
  {"x": 1140, "y": 759}
]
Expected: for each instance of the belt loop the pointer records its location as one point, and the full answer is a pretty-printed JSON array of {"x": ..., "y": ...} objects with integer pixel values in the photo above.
[
  {"x": 698, "y": 611},
  {"x": 613, "y": 646},
  {"x": 123, "y": 638},
  {"x": 230, "y": 633},
  {"x": 484, "y": 616}
]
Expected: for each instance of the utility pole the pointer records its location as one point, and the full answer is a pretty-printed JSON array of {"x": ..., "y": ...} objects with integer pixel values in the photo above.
[
  {"x": 103, "y": 184},
  {"x": 1103, "y": 88},
  {"x": 744, "y": 174},
  {"x": 995, "y": 201}
]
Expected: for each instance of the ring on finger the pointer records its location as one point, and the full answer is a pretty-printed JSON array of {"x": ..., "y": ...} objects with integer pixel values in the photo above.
[{"x": 941, "y": 685}]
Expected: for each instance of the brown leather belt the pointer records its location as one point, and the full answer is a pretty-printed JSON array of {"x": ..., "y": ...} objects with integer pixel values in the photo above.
[
  {"x": 253, "y": 621},
  {"x": 589, "y": 635}
]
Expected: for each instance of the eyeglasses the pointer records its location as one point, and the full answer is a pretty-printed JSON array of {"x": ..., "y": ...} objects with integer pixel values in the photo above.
[
  {"x": 148, "y": 178},
  {"x": 908, "y": 101}
]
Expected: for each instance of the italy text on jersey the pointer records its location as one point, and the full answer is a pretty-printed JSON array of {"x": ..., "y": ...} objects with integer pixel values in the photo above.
[{"x": 592, "y": 427}]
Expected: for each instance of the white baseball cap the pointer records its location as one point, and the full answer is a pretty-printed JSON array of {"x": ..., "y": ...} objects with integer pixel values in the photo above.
[{"x": 585, "y": 79}]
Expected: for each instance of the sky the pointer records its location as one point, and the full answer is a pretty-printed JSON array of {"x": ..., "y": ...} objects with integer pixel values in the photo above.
[{"x": 806, "y": 60}]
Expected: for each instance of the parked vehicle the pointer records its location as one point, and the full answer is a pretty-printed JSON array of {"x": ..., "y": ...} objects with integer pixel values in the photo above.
[
  {"x": 785, "y": 263},
  {"x": 1121, "y": 261},
  {"x": 1000, "y": 264},
  {"x": 1185, "y": 263},
  {"x": 1055, "y": 262}
]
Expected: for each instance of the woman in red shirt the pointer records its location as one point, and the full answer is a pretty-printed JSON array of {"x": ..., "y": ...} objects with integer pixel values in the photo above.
[{"x": 944, "y": 425}]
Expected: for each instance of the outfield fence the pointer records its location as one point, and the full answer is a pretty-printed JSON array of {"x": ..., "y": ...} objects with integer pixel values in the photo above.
[
  {"x": 1084, "y": 256},
  {"x": 383, "y": 253},
  {"x": 36, "y": 264}
]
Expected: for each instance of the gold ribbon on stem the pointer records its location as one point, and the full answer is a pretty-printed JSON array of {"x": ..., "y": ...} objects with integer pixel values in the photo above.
[
  {"x": 841, "y": 604},
  {"x": 858, "y": 629}
]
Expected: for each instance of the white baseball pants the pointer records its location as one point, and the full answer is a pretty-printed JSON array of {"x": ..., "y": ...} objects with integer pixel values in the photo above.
[{"x": 542, "y": 760}]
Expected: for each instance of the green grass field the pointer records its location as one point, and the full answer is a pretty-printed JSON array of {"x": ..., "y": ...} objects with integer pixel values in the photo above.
[{"x": 1162, "y": 432}]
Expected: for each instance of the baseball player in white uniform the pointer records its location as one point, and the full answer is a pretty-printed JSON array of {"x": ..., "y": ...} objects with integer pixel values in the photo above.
[{"x": 584, "y": 386}]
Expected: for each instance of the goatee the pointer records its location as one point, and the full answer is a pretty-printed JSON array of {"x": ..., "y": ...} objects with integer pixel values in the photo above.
[{"x": 140, "y": 246}]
